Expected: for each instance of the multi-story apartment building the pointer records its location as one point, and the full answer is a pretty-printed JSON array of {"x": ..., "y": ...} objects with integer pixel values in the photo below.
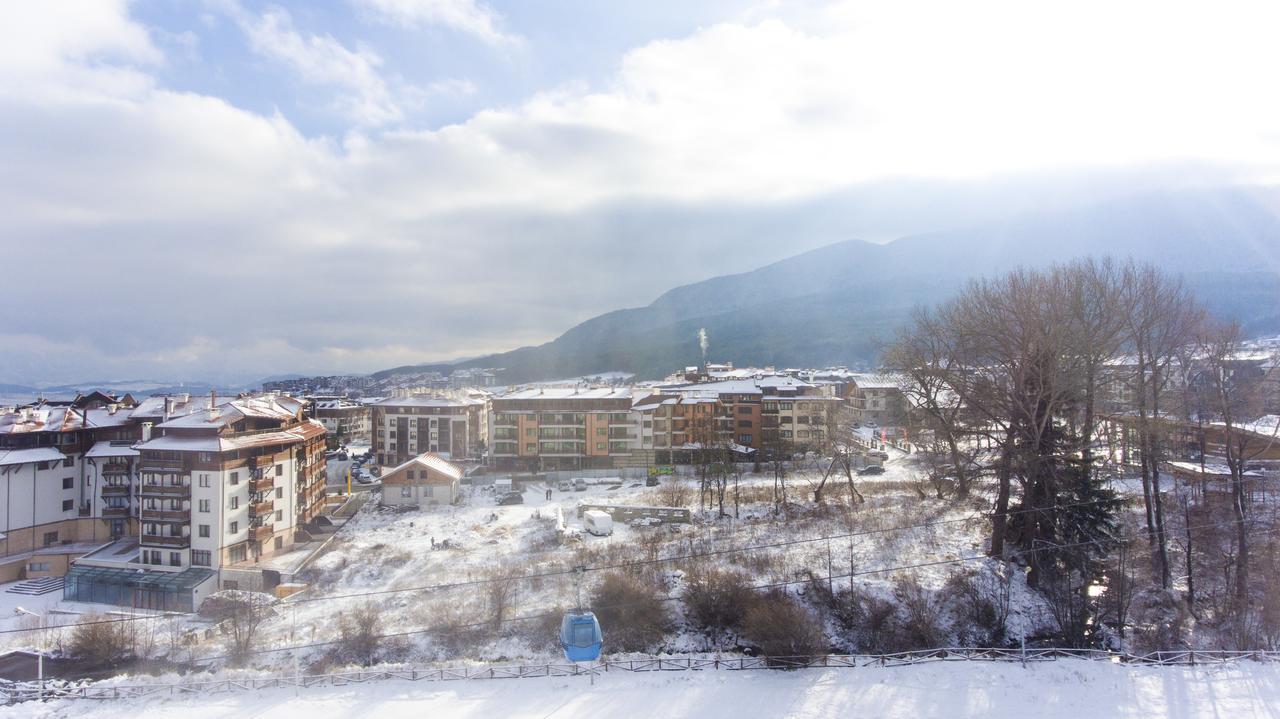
[
  {"x": 773, "y": 412},
  {"x": 230, "y": 484},
  {"x": 344, "y": 419},
  {"x": 878, "y": 399},
  {"x": 552, "y": 428},
  {"x": 404, "y": 427},
  {"x": 56, "y": 501}
]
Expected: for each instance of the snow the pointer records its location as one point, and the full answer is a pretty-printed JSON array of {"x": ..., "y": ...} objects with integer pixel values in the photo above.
[
  {"x": 27, "y": 456},
  {"x": 1067, "y": 689}
]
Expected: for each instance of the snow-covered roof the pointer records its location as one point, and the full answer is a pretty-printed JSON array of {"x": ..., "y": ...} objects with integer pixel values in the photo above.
[
  {"x": 433, "y": 462},
  {"x": 423, "y": 400},
  {"x": 111, "y": 449},
  {"x": 227, "y": 413},
  {"x": 212, "y": 443},
  {"x": 570, "y": 393},
  {"x": 27, "y": 456}
]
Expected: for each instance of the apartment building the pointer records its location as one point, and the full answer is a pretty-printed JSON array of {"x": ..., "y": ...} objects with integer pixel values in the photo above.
[
  {"x": 56, "y": 462},
  {"x": 878, "y": 399},
  {"x": 229, "y": 484},
  {"x": 773, "y": 412},
  {"x": 345, "y": 420},
  {"x": 560, "y": 428},
  {"x": 452, "y": 426}
]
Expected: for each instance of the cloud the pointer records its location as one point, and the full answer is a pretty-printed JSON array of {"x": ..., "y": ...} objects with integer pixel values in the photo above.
[
  {"x": 466, "y": 16},
  {"x": 173, "y": 234},
  {"x": 365, "y": 96}
]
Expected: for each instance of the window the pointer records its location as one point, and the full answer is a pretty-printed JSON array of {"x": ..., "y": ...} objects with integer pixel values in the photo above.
[
  {"x": 235, "y": 528},
  {"x": 66, "y": 461},
  {"x": 235, "y": 502},
  {"x": 204, "y": 505},
  {"x": 803, "y": 434},
  {"x": 406, "y": 491},
  {"x": 68, "y": 505},
  {"x": 529, "y": 431},
  {"x": 785, "y": 434},
  {"x": 279, "y": 492},
  {"x": 600, "y": 446},
  {"x": 175, "y": 559},
  {"x": 602, "y": 431},
  {"x": 428, "y": 491},
  {"x": 237, "y": 554},
  {"x": 279, "y": 515},
  {"x": 38, "y": 567},
  {"x": 743, "y": 409},
  {"x": 206, "y": 456},
  {"x": 279, "y": 470},
  {"x": 204, "y": 530},
  {"x": 200, "y": 557},
  {"x": 68, "y": 482},
  {"x": 531, "y": 448},
  {"x": 204, "y": 481},
  {"x": 784, "y": 405},
  {"x": 410, "y": 474},
  {"x": 50, "y": 538},
  {"x": 744, "y": 439},
  {"x": 235, "y": 478},
  {"x": 744, "y": 423}
]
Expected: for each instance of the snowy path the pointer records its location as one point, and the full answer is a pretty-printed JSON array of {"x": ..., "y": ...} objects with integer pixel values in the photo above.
[{"x": 1069, "y": 689}]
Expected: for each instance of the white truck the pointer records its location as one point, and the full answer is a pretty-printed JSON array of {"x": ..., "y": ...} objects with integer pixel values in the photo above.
[{"x": 597, "y": 523}]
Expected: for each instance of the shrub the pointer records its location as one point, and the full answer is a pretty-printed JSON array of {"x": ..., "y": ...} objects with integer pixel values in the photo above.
[
  {"x": 869, "y": 623},
  {"x": 718, "y": 600},
  {"x": 358, "y": 634},
  {"x": 781, "y": 627},
  {"x": 920, "y": 628},
  {"x": 99, "y": 642},
  {"x": 632, "y": 616},
  {"x": 239, "y": 614}
]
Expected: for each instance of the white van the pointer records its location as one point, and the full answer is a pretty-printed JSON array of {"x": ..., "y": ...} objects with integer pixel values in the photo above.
[
  {"x": 598, "y": 523},
  {"x": 501, "y": 486}
]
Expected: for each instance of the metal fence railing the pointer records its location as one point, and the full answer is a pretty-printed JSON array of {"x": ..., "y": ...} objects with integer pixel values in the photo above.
[{"x": 14, "y": 692}]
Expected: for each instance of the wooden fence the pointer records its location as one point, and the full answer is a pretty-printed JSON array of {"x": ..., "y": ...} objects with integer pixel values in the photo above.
[{"x": 14, "y": 692}]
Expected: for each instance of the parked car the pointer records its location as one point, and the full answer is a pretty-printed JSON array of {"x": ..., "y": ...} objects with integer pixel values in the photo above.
[
  {"x": 579, "y": 485},
  {"x": 363, "y": 476},
  {"x": 878, "y": 454},
  {"x": 510, "y": 498},
  {"x": 871, "y": 469},
  {"x": 343, "y": 456},
  {"x": 376, "y": 471},
  {"x": 565, "y": 485},
  {"x": 651, "y": 481},
  {"x": 871, "y": 425}
]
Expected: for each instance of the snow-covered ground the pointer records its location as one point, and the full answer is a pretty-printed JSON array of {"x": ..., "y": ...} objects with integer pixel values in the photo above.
[{"x": 1070, "y": 689}]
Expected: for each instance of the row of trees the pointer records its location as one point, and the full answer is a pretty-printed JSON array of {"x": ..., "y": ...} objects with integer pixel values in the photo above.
[{"x": 1013, "y": 378}]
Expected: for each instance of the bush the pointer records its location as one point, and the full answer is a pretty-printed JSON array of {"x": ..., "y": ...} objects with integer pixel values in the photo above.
[
  {"x": 633, "y": 617},
  {"x": 781, "y": 627},
  {"x": 99, "y": 642},
  {"x": 868, "y": 622},
  {"x": 358, "y": 635},
  {"x": 920, "y": 628},
  {"x": 718, "y": 600},
  {"x": 980, "y": 602},
  {"x": 239, "y": 614}
]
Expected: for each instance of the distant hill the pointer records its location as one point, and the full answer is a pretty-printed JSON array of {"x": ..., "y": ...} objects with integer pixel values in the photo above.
[{"x": 838, "y": 304}]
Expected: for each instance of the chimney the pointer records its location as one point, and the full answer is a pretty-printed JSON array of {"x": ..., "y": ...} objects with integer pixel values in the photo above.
[
  {"x": 168, "y": 409},
  {"x": 146, "y": 431},
  {"x": 112, "y": 408},
  {"x": 213, "y": 398}
]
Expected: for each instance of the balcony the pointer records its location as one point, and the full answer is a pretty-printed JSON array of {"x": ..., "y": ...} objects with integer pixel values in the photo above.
[
  {"x": 182, "y": 491},
  {"x": 261, "y": 484},
  {"x": 115, "y": 468},
  {"x": 115, "y": 512},
  {"x": 163, "y": 465},
  {"x": 165, "y": 515},
  {"x": 162, "y": 540},
  {"x": 259, "y": 534},
  {"x": 262, "y": 509},
  {"x": 115, "y": 490}
]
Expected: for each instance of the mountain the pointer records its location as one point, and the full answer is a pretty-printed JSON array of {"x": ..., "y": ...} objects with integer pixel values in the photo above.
[{"x": 838, "y": 304}]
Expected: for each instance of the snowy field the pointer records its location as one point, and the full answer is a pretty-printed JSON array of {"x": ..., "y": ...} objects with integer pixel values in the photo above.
[{"x": 1070, "y": 689}]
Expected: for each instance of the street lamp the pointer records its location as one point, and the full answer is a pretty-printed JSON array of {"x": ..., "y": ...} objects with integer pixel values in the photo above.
[{"x": 39, "y": 650}]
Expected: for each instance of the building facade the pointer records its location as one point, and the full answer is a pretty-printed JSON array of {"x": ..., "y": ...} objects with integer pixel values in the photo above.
[
  {"x": 404, "y": 427},
  {"x": 564, "y": 428}
]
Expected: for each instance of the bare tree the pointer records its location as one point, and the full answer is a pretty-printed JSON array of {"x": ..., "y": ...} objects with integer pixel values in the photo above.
[{"x": 240, "y": 614}]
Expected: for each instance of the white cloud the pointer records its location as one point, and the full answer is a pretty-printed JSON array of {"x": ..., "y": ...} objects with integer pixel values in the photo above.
[
  {"x": 366, "y": 97},
  {"x": 466, "y": 16},
  {"x": 182, "y": 221}
]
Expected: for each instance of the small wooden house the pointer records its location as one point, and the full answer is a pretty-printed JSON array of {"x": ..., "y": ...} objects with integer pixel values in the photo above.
[{"x": 423, "y": 481}]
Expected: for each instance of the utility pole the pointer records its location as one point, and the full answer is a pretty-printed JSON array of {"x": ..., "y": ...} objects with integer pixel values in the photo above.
[{"x": 39, "y": 649}]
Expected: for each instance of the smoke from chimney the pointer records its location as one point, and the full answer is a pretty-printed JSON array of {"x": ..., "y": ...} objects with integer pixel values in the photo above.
[{"x": 704, "y": 345}]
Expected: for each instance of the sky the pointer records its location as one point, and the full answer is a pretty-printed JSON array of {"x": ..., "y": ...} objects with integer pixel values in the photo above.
[{"x": 222, "y": 190}]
